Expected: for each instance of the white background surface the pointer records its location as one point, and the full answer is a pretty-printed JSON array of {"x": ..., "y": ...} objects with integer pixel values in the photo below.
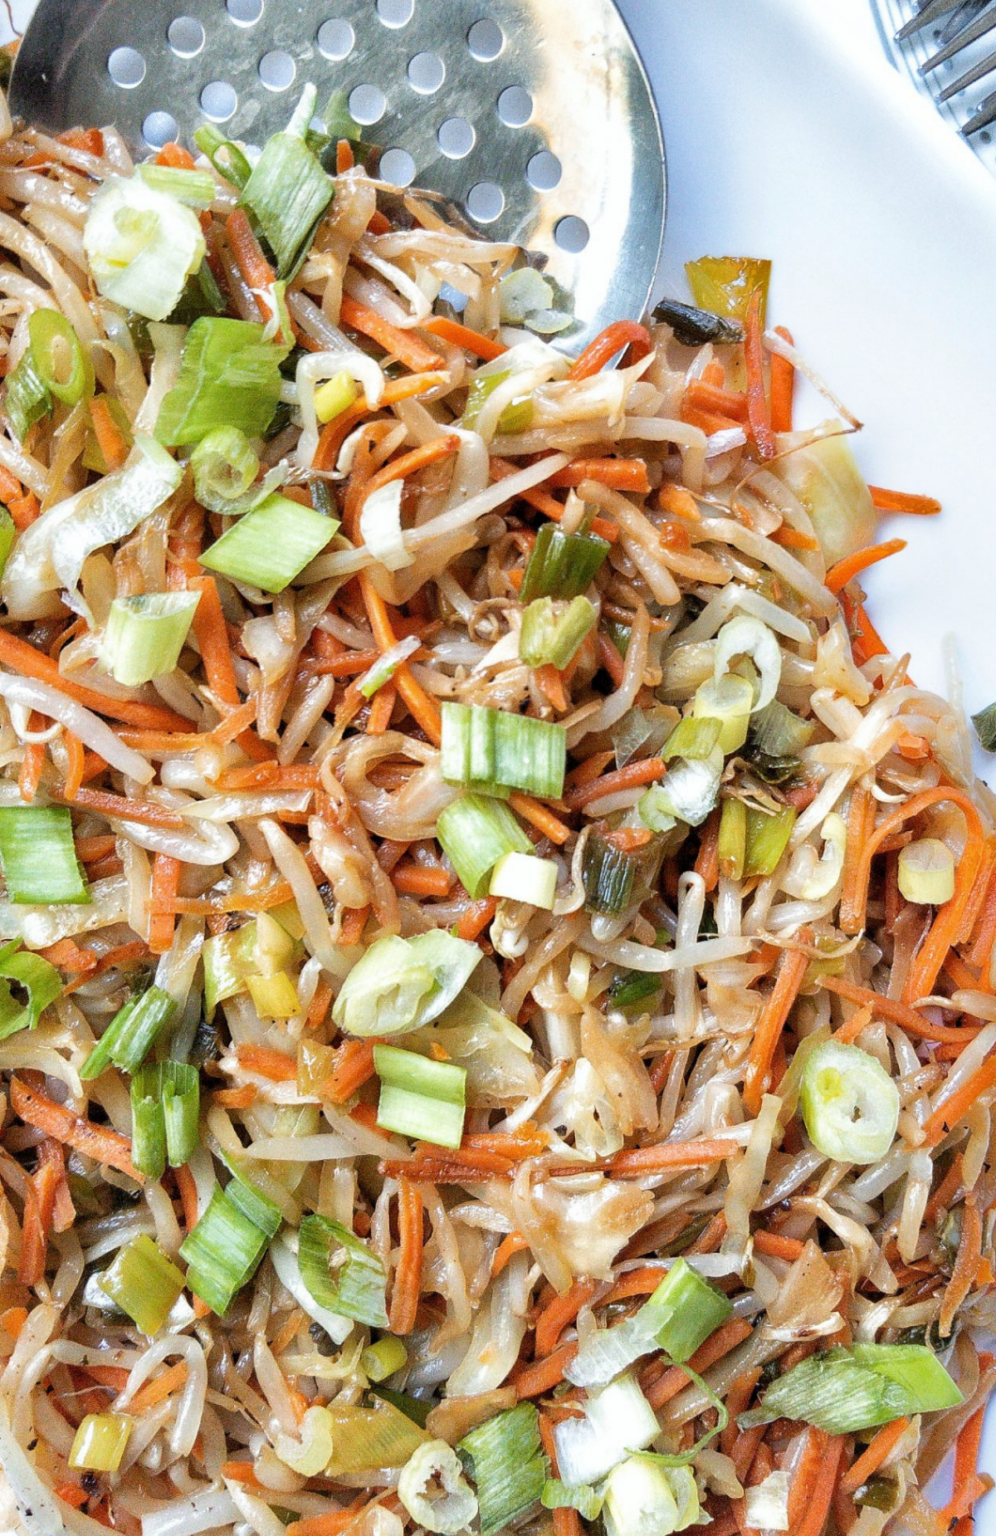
[{"x": 788, "y": 135}]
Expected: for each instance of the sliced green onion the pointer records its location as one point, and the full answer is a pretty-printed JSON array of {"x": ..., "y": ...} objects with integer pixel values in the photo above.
[
  {"x": 226, "y": 157},
  {"x": 489, "y": 746},
  {"x": 141, "y": 245},
  {"x": 690, "y": 1310},
  {"x": 777, "y": 732},
  {"x": 32, "y": 976},
  {"x": 615, "y": 880},
  {"x": 386, "y": 665},
  {"x": 383, "y": 1359},
  {"x": 688, "y": 792},
  {"x": 985, "y": 727},
  {"x": 435, "y": 1492},
  {"x": 693, "y": 738},
  {"x": 8, "y": 534},
  {"x": 288, "y": 191},
  {"x": 517, "y": 415},
  {"x": 201, "y": 296},
  {"x": 927, "y": 872},
  {"x": 369, "y": 1438},
  {"x": 632, "y": 987},
  {"x": 225, "y": 465},
  {"x": 846, "y": 1390},
  {"x": 561, "y": 564},
  {"x": 510, "y": 1469},
  {"x": 617, "y": 1420},
  {"x": 39, "y": 856},
  {"x": 746, "y": 636},
  {"x": 274, "y": 997},
  {"x": 99, "y": 1443},
  {"x": 414, "y": 1408},
  {"x": 335, "y": 396},
  {"x": 196, "y": 189},
  {"x": 225, "y": 1248},
  {"x": 130, "y": 1035},
  {"x": 400, "y": 984},
  {"x": 144, "y": 1283},
  {"x": 767, "y": 840},
  {"x": 725, "y": 284},
  {"x": 849, "y": 1102},
  {"x": 145, "y": 635},
  {"x": 341, "y": 1272},
  {"x": 475, "y": 832},
  {"x": 731, "y": 847},
  {"x": 730, "y": 701},
  {"x": 645, "y": 1498},
  {"x": 229, "y": 376},
  {"x": 61, "y": 362},
  {"x": 270, "y": 545},
  {"x": 524, "y": 877},
  {"x": 26, "y": 397},
  {"x": 552, "y": 632},
  {"x": 229, "y": 960},
  {"x": 419, "y": 1097},
  {"x": 93, "y": 455},
  {"x": 165, "y": 1107},
  {"x": 587, "y": 1501}
]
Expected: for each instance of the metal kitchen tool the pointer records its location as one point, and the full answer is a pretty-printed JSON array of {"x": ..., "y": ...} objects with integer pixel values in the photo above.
[
  {"x": 949, "y": 49},
  {"x": 534, "y": 117}
]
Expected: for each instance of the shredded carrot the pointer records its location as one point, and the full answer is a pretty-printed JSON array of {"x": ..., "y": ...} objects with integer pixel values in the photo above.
[
  {"x": 410, "y": 879},
  {"x": 852, "y": 565},
  {"x": 647, "y": 771},
  {"x": 758, "y": 413},
  {"x": 32, "y": 765},
  {"x": 251, "y": 262},
  {"x": 159, "y": 1388},
  {"x": 476, "y": 918},
  {"x": 558, "y": 1314},
  {"x": 507, "y": 1249},
  {"x": 212, "y": 638},
  {"x": 353, "y": 1066},
  {"x": 423, "y": 708},
  {"x": 879, "y": 1448},
  {"x": 955, "y": 1108},
  {"x": 462, "y": 336},
  {"x": 166, "y": 873},
  {"x": 707, "y": 860},
  {"x": 541, "y": 499},
  {"x": 966, "y": 1484},
  {"x": 715, "y": 1347},
  {"x": 110, "y": 439},
  {"x": 624, "y": 333},
  {"x": 770, "y": 1023},
  {"x": 634, "y": 1162},
  {"x": 903, "y": 501},
  {"x": 617, "y": 474},
  {"x": 39, "y": 1209},
  {"x": 859, "y": 1020},
  {"x": 566, "y": 1522},
  {"x": 72, "y": 1494},
  {"x": 860, "y": 823},
  {"x": 176, "y": 156},
  {"x": 404, "y": 345},
  {"x": 896, "y": 1012},
  {"x": 782, "y": 379},
  {"x": 552, "y": 684},
  {"x": 76, "y": 766},
  {"x": 813, "y": 1487},
  {"x": 611, "y": 659},
  {"x": 275, "y": 1065},
  {"x": 703, "y": 396},
  {"x": 381, "y": 710},
  {"x": 408, "y": 1275},
  {"x": 776, "y": 1246},
  {"x": 30, "y": 662},
  {"x": 545, "y": 1374},
  {"x": 353, "y": 923},
  {"x": 675, "y": 499},
  {"x": 335, "y": 433},
  {"x": 635, "y": 1282},
  {"x": 118, "y": 807},
  {"x": 236, "y": 1098},
  {"x": 187, "y": 1188},
  {"x": 96, "y": 1141},
  {"x": 791, "y": 538},
  {"x": 332, "y": 1523}
]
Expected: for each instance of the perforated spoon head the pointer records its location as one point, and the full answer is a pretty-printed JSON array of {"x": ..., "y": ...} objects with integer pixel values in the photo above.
[{"x": 534, "y": 117}]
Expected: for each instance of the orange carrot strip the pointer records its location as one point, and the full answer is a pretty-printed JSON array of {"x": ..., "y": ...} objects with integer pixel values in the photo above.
[
  {"x": 110, "y": 439},
  {"x": 540, "y": 817},
  {"x": 507, "y": 1249},
  {"x": 404, "y": 345},
  {"x": 900, "y": 1013},
  {"x": 334, "y": 1522},
  {"x": 776, "y": 1246},
  {"x": 566, "y": 1522},
  {"x": 558, "y": 1314},
  {"x": 76, "y": 766},
  {"x": 617, "y": 474},
  {"x": 852, "y": 565},
  {"x": 541, "y": 499},
  {"x": 552, "y": 684},
  {"x": 187, "y": 1188},
  {"x": 624, "y": 333},
  {"x": 818, "y": 1502},
  {"x": 410, "y": 879},
  {"x": 954, "y": 1109},
  {"x": 250, "y": 260},
  {"x": 674, "y": 498},
  {"x": 275, "y": 1065},
  {"x": 353, "y": 1065},
  {"x": 353, "y": 924},
  {"x": 903, "y": 501},
  {"x": 791, "y": 538},
  {"x": 701, "y": 395},
  {"x": 782, "y": 376},
  {"x": 715, "y": 1347},
  {"x": 212, "y": 638},
  {"x": 636, "y": 1161},
  {"x": 878, "y": 1449},
  {"x": 462, "y": 336},
  {"x": 171, "y": 1380},
  {"x": 707, "y": 860},
  {"x": 611, "y": 660},
  {"x": 408, "y": 1275},
  {"x": 381, "y": 710},
  {"x": 758, "y": 414},
  {"x": 32, "y": 765},
  {"x": 422, "y": 706},
  {"x": 476, "y": 918},
  {"x": 30, "y": 662},
  {"x": 545, "y": 1374},
  {"x": 236, "y": 1098},
  {"x": 39, "y": 1209},
  {"x": 770, "y": 1023},
  {"x": 118, "y": 807},
  {"x": 636, "y": 1282},
  {"x": 166, "y": 872},
  {"x": 96, "y": 1141},
  {"x": 320, "y": 1004},
  {"x": 860, "y": 822},
  {"x": 647, "y": 771},
  {"x": 335, "y": 433}
]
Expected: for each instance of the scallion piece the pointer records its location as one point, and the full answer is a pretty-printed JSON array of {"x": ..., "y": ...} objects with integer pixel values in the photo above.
[
  {"x": 226, "y": 157},
  {"x": 846, "y": 1390},
  {"x": 144, "y": 1283},
  {"x": 26, "y": 397},
  {"x": 225, "y": 464},
  {"x": 510, "y": 1469},
  {"x": 985, "y": 727},
  {"x": 386, "y": 665},
  {"x": 643, "y": 1497},
  {"x": 227, "y": 1245},
  {"x": 561, "y": 564},
  {"x": 196, "y": 189},
  {"x": 383, "y": 1359},
  {"x": 341, "y": 1272},
  {"x": 100, "y": 1441},
  {"x": 61, "y": 362},
  {"x": 524, "y": 877},
  {"x": 587, "y": 1501},
  {"x": 615, "y": 879},
  {"x": 489, "y": 746},
  {"x": 731, "y": 848},
  {"x": 229, "y": 376},
  {"x": 617, "y": 1420},
  {"x": 688, "y": 792},
  {"x": 849, "y": 1102},
  {"x": 552, "y": 632},
  {"x": 365, "y": 1438},
  {"x": 766, "y": 840},
  {"x": 8, "y": 534},
  {"x": 729, "y": 700},
  {"x": 926, "y": 873},
  {"x": 165, "y": 1107},
  {"x": 777, "y": 732},
  {"x": 145, "y": 635},
  {"x": 93, "y": 454},
  {"x": 693, "y": 738},
  {"x": 270, "y": 545},
  {"x": 130, "y": 1035},
  {"x": 141, "y": 245},
  {"x": 631, "y": 987},
  {"x": 517, "y": 415},
  {"x": 274, "y": 997},
  {"x": 335, "y": 396},
  {"x": 34, "y": 978},
  {"x": 229, "y": 960},
  {"x": 690, "y": 1310},
  {"x": 475, "y": 832},
  {"x": 38, "y": 855},
  {"x": 419, "y": 1097},
  {"x": 400, "y": 984},
  {"x": 288, "y": 191}
]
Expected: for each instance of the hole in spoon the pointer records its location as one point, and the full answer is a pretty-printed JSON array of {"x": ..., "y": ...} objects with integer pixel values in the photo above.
[
  {"x": 485, "y": 40},
  {"x": 455, "y": 138},
  {"x": 426, "y": 73},
  {"x": 245, "y": 13},
  {"x": 395, "y": 13},
  {"x": 572, "y": 234},
  {"x": 515, "y": 106},
  {"x": 397, "y": 167},
  {"x": 185, "y": 36},
  {"x": 218, "y": 101},
  {"x": 126, "y": 68},
  {"x": 158, "y": 129},
  {"x": 368, "y": 104},
  {"x": 335, "y": 39},
  {"x": 485, "y": 202},
  {"x": 544, "y": 171},
  {"x": 277, "y": 70}
]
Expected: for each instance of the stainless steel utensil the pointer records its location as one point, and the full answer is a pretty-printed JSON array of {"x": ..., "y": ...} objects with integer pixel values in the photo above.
[
  {"x": 534, "y": 117},
  {"x": 948, "y": 46}
]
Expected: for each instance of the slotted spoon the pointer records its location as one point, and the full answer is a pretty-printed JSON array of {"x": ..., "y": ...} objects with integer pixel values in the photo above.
[{"x": 534, "y": 117}]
